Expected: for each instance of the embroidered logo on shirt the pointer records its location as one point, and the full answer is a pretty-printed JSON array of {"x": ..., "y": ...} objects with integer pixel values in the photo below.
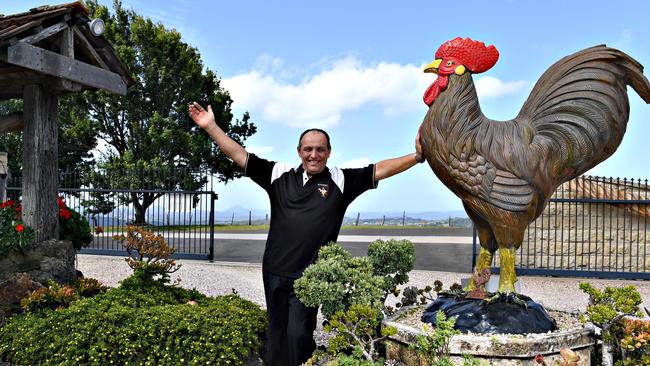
[{"x": 322, "y": 188}]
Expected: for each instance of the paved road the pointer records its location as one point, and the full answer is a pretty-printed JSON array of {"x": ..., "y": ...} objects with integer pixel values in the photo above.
[{"x": 447, "y": 249}]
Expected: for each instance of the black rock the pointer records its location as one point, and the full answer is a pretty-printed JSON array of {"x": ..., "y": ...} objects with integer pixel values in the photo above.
[{"x": 478, "y": 316}]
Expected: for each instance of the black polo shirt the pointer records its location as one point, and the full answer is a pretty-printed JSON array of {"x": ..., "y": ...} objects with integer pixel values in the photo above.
[{"x": 304, "y": 217}]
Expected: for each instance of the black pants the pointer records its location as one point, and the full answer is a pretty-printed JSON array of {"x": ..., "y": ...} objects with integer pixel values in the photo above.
[{"x": 291, "y": 324}]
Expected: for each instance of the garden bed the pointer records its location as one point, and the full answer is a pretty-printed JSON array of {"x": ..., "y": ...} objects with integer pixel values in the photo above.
[{"x": 497, "y": 349}]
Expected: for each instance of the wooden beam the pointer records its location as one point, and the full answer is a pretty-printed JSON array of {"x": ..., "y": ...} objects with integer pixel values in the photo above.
[
  {"x": 11, "y": 122},
  {"x": 11, "y": 85},
  {"x": 40, "y": 162},
  {"x": 45, "y": 33},
  {"x": 66, "y": 43},
  {"x": 7, "y": 35},
  {"x": 50, "y": 63},
  {"x": 79, "y": 37}
]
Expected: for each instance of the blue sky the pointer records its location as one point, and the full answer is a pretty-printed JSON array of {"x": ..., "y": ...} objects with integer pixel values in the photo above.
[{"x": 354, "y": 68}]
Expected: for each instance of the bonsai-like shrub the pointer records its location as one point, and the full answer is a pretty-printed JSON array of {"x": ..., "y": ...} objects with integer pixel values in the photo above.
[
  {"x": 337, "y": 280},
  {"x": 352, "y": 291},
  {"x": 148, "y": 252},
  {"x": 357, "y": 328},
  {"x": 392, "y": 260},
  {"x": 606, "y": 310}
]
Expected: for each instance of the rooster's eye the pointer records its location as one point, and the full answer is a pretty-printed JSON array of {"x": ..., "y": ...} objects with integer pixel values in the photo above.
[{"x": 449, "y": 63}]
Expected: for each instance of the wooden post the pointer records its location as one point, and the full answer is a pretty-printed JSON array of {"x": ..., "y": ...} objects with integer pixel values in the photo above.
[
  {"x": 4, "y": 175},
  {"x": 40, "y": 161}
]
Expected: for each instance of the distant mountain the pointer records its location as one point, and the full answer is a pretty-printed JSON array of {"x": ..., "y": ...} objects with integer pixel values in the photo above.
[
  {"x": 238, "y": 214},
  {"x": 430, "y": 215}
]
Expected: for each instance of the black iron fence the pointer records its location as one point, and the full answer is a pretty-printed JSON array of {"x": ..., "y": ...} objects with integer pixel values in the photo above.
[
  {"x": 592, "y": 227},
  {"x": 185, "y": 218}
]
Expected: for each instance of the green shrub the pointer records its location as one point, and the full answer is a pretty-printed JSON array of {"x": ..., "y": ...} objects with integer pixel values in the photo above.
[
  {"x": 73, "y": 226},
  {"x": 56, "y": 296},
  {"x": 356, "y": 328},
  {"x": 606, "y": 310},
  {"x": 337, "y": 280},
  {"x": 142, "y": 322},
  {"x": 352, "y": 291},
  {"x": 392, "y": 260}
]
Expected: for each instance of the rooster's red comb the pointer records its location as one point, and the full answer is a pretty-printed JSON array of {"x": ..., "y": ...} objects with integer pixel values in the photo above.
[{"x": 473, "y": 54}]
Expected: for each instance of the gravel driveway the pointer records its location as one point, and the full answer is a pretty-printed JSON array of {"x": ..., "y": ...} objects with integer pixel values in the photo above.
[{"x": 221, "y": 278}]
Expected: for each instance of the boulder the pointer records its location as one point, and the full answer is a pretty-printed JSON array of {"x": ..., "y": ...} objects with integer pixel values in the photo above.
[
  {"x": 48, "y": 260},
  {"x": 15, "y": 288}
]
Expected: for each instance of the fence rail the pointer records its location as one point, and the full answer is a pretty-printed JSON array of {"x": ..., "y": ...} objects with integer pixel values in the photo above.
[
  {"x": 591, "y": 227},
  {"x": 185, "y": 218}
]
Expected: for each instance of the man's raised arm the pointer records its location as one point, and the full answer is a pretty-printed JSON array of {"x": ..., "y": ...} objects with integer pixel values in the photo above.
[
  {"x": 205, "y": 120},
  {"x": 389, "y": 167}
]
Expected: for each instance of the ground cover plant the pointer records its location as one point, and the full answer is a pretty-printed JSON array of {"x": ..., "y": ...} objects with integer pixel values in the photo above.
[{"x": 144, "y": 321}]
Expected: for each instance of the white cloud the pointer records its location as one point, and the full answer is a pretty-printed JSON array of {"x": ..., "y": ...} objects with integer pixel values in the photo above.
[
  {"x": 260, "y": 150},
  {"x": 343, "y": 85},
  {"x": 491, "y": 87},
  {"x": 356, "y": 163}
]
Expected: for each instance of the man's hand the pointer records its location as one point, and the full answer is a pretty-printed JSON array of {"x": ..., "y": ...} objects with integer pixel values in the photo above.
[
  {"x": 418, "y": 145},
  {"x": 205, "y": 120},
  {"x": 200, "y": 116}
]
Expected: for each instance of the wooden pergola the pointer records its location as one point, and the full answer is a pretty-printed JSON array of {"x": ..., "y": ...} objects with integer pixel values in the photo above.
[{"x": 44, "y": 53}]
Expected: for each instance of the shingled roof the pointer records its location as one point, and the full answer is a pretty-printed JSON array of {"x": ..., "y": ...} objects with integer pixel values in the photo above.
[{"x": 31, "y": 48}]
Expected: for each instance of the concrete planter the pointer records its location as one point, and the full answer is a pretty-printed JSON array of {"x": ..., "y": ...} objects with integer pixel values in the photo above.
[{"x": 496, "y": 349}]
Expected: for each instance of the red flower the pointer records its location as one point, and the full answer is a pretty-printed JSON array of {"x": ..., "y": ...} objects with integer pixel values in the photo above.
[
  {"x": 64, "y": 213},
  {"x": 8, "y": 203},
  {"x": 20, "y": 228},
  {"x": 61, "y": 203}
]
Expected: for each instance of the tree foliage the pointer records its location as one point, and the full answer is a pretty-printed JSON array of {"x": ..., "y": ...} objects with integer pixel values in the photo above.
[
  {"x": 77, "y": 138},
  {"x": 149, "y": 128}
]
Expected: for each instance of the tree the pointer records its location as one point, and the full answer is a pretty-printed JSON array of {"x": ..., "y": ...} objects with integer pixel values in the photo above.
[
  {"x": 149, "y": 128},
  {"x": 77, "y": 139}
]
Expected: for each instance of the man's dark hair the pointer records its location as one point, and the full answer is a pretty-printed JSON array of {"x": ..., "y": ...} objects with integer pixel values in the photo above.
[{"x": 329, "y": 147}]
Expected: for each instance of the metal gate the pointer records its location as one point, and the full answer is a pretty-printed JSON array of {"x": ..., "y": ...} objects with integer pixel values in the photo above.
[
  {"x": 185, "y": 219},
  {"x": 591, "y": 227}
]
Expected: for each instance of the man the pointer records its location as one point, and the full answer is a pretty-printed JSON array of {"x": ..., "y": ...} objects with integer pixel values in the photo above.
[{"x": 307, "y": 208}]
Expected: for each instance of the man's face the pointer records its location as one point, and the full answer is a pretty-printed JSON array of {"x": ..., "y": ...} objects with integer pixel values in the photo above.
[{"x": 313, "y": 152}]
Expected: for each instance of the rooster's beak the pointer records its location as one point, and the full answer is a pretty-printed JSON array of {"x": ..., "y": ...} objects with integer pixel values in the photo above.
[{"x": 433, "y": 67}]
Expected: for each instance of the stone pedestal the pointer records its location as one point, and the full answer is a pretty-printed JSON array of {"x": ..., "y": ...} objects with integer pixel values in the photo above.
[{"x": 495, "y": 349}]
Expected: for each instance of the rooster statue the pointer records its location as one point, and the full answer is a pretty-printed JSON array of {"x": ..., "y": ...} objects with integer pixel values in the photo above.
[{"x": 506, "y": 171}]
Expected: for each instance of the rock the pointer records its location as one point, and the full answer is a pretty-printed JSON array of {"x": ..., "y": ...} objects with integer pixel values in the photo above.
[
  {"x": 477, "y": 316},
  {"x": 15, "y": 288},
  {"x": 49, "y": 260}
]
